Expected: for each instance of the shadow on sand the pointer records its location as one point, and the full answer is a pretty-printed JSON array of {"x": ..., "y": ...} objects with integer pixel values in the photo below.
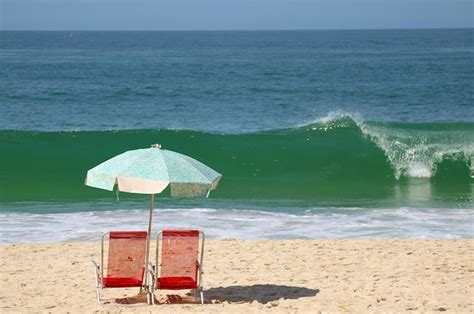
[
  {"x": 232, "y": 294},
  {"x": 259, "y": 293}
]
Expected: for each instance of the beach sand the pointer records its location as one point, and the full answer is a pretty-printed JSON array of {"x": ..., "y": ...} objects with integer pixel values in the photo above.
[{"x": 303, "y": 276}]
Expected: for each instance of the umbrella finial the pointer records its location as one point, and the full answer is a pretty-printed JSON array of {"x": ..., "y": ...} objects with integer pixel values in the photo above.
[{"x": 156, "y": 145}]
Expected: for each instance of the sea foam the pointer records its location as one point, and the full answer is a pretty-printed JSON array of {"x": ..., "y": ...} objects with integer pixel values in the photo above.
[{"x": 314, "y": 223}]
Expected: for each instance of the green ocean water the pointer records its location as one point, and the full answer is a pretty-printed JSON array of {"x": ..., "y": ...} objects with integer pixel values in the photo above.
[{"x": 340, "y": 158}]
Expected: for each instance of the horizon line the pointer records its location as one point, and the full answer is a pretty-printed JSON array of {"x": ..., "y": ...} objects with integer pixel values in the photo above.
[{"x": 234, "y": 30}]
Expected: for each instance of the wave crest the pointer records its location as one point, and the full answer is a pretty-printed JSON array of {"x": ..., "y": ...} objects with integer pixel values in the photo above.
[{"x": 413, "y": 150}]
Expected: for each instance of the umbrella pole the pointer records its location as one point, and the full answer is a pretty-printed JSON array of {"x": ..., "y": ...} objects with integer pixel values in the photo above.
[{"x": 150, "y": 217}]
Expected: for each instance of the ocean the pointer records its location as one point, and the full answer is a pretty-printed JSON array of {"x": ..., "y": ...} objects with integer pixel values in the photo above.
[{"x": 318, "y": 134}]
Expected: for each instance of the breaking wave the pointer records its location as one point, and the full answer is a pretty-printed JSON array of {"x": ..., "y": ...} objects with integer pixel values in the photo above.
[{"x": 338, "y": 156}]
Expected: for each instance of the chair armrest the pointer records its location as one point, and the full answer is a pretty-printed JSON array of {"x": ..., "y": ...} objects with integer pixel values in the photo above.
[
  {"x": 200, "y": 268},
  {"x": 98, "y": 279},
  {"x": 96, "y": 268},
  {"x": 151, "y": 269},
  {"x": 199, "y": 277}
]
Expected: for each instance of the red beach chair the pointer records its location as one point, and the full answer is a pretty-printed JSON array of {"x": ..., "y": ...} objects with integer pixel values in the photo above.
[
  {"x": 181, "y": 261},
  {"x": 125, "y": 262}
]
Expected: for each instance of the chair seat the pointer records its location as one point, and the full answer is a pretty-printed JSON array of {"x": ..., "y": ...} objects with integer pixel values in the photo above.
[
  {"x": 114, "y": 282},
  {"x": 176, "y": 283}
]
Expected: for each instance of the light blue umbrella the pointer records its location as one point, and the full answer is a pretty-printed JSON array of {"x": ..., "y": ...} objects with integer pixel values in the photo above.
[{"x": 150, "y": 171}]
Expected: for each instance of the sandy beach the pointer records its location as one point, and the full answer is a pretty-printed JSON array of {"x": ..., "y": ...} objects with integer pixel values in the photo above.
[{"x": 289, "y": 276}]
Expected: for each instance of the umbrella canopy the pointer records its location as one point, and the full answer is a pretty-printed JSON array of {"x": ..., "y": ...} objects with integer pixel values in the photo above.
[{"x": 151, "y": 170}]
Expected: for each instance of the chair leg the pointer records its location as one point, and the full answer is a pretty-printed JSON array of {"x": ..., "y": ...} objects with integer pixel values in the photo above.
[
  {"x": 97, "y": 293},
  {"x": 97, "y": 281},
  {"x": 150, "y": 282},
  {"x": 202, "y": 296},
  {"x": 151, "y": 297}
]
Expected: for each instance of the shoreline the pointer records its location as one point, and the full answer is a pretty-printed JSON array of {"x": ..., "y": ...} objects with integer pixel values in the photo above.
[
  {"x": 245, "y": 224},
  {"x": 259, "y": 275}
]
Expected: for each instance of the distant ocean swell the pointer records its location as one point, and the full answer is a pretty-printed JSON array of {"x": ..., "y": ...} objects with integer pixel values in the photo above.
[{"x": 340, "y": 156}]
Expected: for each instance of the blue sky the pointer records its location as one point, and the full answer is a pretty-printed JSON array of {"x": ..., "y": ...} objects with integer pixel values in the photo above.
[{"x": 233, "y": 14}]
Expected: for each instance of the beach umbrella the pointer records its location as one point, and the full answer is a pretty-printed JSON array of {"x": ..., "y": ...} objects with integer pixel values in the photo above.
[{"x": 150, "y": 171}]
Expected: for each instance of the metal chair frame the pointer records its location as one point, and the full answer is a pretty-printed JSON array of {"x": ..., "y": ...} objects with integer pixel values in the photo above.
[
  {"x": 153, "y": 273},
  {"x": 99, "y": 274}
]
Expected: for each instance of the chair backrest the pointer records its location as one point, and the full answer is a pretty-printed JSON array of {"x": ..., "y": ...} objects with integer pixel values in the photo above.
[
  {"x": 127, "y": 250},
  {"x": 180, "y": 253}
]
